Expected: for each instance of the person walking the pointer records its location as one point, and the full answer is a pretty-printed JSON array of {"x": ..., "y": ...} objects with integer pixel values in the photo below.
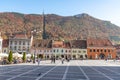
[
  {"x": 39, "y": 61},
  {"x": 54, "y": 59},
  {"x": 62, "y": 60}
]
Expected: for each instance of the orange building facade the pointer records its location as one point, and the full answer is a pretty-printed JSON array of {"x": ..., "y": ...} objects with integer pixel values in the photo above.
[
  {"x": 100, "y": 49},
  {"x": 101, "y": 52}
]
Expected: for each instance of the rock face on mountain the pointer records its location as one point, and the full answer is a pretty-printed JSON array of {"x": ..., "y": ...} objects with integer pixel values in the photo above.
[{"x": 79, "y": 26}]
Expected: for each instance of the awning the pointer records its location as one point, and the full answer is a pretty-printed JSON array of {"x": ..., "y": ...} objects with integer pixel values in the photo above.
[
  {"x": 17, "y": 54},
  {"x": 3, "y": 55}
]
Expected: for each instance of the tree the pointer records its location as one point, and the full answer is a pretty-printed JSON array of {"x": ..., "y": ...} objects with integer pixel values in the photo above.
[
  {"x": 24, "y": 57},
  {"x": 32, "y": 57},
  {"x": 10, "y": 57}
]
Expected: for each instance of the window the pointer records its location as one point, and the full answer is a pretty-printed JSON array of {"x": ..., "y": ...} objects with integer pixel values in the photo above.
[
  {"x": 53, "y": 50},
  {"x": 66, "y": 51},
  {"x": 11, "y": 42},
  {"x": 23, "y": 48},
  {"x": 34, "y": 45},
  {"x": 5, "y": 51},
  {"x": 10, "y": 47},
  {"x": 84, "y": 51},
  {"x": 23, "y": 42},
  {"x": 19, "y": 42},
  {"x": 105, "y": 50},
  {"x": 112, "y": 50},
  {"x": 28, "y": 48},
  {"x": 39, "y": 45},
  {"x": 69, "y": 51},
  {"x": 44, "y": 50},
  {"x": 101, "y": 50},
  {"x": 19, "y": 48},
  {"x": 75, "y": 51},
  {"x": 50, "y": 50},
  {"x": 97, "y": 50},
  {"x": 28, "y": 43},
  {"x": 57, "y": 50},
  {"x": 45, "y": 45},
  {"x": 15, "y": 48},
  {"x": 90, "y": 50},
  {"x": 79, "y": 51},
  {"x": 15, "y": 42},
  {"x": 108, "y": 50},
  {"x": 62, "y": 50},
  {"x": 94, "y": 50},
  {"x": 40, "y": 50}
]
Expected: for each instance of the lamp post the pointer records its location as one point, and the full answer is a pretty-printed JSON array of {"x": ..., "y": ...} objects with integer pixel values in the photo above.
[
  {"x": 34, "y": 32},
  {"x": 34, "y": 56}
]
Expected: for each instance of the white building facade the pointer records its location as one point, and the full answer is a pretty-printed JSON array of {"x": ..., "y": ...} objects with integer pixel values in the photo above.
[
  {"x": 79, "y": 53},
  {"x": 20, "y": 43}
]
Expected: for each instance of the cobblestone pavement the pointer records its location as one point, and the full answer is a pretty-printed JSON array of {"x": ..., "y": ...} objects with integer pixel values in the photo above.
[{"x": 73, "y": 70}]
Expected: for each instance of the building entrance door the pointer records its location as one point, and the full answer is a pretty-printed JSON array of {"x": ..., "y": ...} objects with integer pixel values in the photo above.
[{"x": 102, "y": 56}]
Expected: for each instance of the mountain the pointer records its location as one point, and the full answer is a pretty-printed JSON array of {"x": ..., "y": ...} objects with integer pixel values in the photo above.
[{"x": 79, "y": 26}]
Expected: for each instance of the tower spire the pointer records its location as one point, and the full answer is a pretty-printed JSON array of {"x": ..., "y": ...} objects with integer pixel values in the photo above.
[{"x": 44, "y": 31}]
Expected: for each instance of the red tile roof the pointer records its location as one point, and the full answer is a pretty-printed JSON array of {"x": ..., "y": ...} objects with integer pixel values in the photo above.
[
  {"x": 79, "y": 44},
  {"x": 57, "y": 44},
  {"x": 67, "y": 45},
  {"x": 19, "y": 36},
  {"x": 38, "y": 43},
  {"x": 93, "y": 42}
]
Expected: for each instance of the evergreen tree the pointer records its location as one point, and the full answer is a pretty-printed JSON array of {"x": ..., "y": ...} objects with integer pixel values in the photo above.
[
  {"x": 10, "y": 57},
  {"x": 24, "y": 57}
]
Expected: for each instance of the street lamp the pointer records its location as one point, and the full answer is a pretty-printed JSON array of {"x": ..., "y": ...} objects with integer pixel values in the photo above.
[
  {"x": 34, "y": 56},
  {"x": 34, "y": 32}
]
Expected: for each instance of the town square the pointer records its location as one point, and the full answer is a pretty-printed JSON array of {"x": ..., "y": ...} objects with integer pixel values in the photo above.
[
  {"x": 60, "y": 40},
  {"x": 73, "y": 70}
]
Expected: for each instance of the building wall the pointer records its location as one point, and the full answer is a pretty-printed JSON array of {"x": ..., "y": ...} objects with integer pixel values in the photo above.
[
  {"x": 5, "y": 50},
  {"x": 58, "y": 51},
  {"x": 1, "y": 45},
  {"x": 19, "y": 45},
  {"x": 95, "y": 52},
  {"x": 78, "y": 53}
]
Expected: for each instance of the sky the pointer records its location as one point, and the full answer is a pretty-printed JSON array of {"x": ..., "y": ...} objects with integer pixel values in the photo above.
[{"x": 101, "y": 9}]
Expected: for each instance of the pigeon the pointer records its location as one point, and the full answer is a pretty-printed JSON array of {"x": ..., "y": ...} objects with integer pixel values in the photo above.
[{"x": 39, "y": 74}]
